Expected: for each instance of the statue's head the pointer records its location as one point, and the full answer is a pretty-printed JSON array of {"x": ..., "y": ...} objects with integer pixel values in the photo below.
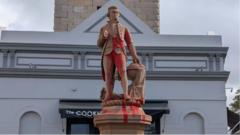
[{"x": 113, "y": 13}]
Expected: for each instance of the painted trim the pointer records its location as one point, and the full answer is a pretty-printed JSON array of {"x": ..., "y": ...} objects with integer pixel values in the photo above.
[
  {"x": 155, "y": 50},
  {"x": 55, "y": 65},
  {"x": 89, "y": 30},
  {"x": 82, "y": 60},
  {"x": 204, "y": 67},
  {"x": 5, "y": 58},
  {"x": 211, "y": 66},
  {"x": 94, "y": 59},
  {"x": 132, "y": 25},
  {"x": 12, "y": 55},
  {"x": 150, "y": 62},
  {"x": 97, "y": 59},
  {"x": 96, "y": 74},
  {"x": 75, "y": 60}
]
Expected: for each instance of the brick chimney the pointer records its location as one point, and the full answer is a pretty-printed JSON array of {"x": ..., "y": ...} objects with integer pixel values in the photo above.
[{"x": 70, "y": 13}]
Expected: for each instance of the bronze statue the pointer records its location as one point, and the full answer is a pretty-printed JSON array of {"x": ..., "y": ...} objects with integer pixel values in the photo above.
[
  {"x": 111, "y": 41},
  {"x": 120, "y": 111},
  {"x": 136, "y": 73}
]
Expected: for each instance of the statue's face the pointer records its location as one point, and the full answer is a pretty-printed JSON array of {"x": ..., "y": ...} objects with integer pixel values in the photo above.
[{"x": 114, "y": 14}]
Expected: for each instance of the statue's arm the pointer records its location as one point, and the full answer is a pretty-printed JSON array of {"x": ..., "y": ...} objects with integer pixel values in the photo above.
[
  {"x": 129, "y": 42},
  {"x": 101, "y": 40}
]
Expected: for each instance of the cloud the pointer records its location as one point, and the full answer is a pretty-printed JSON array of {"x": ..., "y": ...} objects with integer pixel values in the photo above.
[
  {"x": 197, "y": 17},
  {"x": 27, "y": 14},
  {"x": 8, "y": 13}
]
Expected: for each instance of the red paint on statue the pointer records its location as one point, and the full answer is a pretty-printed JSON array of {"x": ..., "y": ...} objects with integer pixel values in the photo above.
[
  {"x": 104, "y": 111},
  {"x": 134, "y": 109},
  {"x": 119, "y": 59},
  {"x": 124, "y": 111},
  {"x": 117, "y": 43}
]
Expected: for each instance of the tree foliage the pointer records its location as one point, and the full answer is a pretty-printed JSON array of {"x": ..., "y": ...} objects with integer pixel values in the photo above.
[{"x": 236, "y": 102}]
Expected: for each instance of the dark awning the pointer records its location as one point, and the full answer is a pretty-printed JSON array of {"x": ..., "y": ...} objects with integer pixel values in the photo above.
[{"x": 90, "y": 108}]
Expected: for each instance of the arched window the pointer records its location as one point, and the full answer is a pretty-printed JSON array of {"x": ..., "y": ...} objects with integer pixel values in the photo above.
[
  {"x": 30, "y": 123},
  {"x": 193, "y": 124}
]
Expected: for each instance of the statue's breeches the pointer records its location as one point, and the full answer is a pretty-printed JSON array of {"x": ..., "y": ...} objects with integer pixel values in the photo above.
[{"x": 110, "y": 61}]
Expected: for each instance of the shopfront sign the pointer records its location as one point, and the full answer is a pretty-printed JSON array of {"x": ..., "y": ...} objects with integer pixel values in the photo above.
[{"x": 81, "y": 113}]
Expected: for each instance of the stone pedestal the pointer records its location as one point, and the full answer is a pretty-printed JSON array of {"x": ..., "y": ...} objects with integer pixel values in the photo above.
[{"x": 120, "y": 117}]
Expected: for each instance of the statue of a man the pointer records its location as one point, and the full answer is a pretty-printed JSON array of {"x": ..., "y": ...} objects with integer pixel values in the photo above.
[{"x": 111, "y": 40}]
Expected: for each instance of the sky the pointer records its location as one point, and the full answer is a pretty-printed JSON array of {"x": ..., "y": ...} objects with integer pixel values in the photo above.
[
  {"x": 27, "y": 15},
  {"x": 181, "y": 17},
  {"x": 197, "y": 17}
]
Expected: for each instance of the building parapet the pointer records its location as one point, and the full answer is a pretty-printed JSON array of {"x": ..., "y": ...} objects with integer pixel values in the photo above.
[{"x": 84, "y": 61}]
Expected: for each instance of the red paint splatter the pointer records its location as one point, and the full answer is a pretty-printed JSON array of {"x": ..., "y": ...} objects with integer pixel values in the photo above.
[
  {"x": 124, "y": 110},
  {"x": 134, "y": 109}
]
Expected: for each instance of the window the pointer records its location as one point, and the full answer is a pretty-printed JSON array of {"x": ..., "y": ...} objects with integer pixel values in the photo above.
[
  {"x": 81, "y": 126},
  {"x": 154, "y": 128},
  {"x": 30, "y": 123},
  {"x": 193, "y": 124}
]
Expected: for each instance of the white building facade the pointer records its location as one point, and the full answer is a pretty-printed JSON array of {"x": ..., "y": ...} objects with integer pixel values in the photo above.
[{"x": 50, "y": 82}]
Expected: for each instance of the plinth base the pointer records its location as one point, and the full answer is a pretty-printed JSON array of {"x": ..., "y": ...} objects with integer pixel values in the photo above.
[{"x": 118, "y": 117}]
